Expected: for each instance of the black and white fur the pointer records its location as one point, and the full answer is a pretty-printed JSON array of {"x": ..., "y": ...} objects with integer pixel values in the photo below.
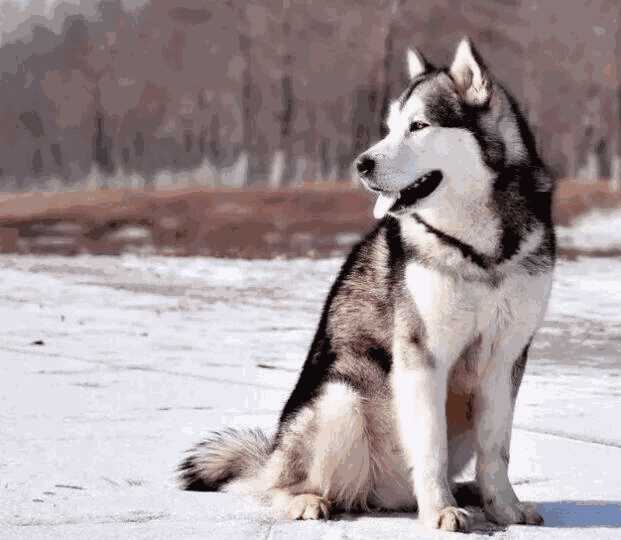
[{"x": 423, "y": 340}]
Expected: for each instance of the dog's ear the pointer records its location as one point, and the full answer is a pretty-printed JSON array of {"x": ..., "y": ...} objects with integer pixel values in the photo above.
[
  {"x": 470, "y": 74},
  {"x": 417, "y": 65}
]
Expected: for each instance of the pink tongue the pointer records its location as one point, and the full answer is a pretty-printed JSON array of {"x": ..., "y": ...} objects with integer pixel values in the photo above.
[{"x": 383, "y": 204}]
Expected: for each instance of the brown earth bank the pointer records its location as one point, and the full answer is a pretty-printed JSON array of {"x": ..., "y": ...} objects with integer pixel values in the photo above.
[{"x": 314, "y": 220}]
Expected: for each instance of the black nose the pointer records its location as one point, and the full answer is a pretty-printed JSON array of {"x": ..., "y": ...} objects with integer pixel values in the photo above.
[{"x": 365, "y": 165}]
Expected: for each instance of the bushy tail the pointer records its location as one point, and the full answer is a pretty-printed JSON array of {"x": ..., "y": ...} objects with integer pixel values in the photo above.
[{"x": 223, "y": 457}]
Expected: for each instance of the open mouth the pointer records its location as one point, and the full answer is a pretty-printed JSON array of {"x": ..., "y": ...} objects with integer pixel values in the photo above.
[{"x": 422, "y": 187}]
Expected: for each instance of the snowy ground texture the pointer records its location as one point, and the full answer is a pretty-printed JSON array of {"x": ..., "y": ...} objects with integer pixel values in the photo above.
[
  {"x": 597, "y": 230},
  {"x": 112, "y": 367}
]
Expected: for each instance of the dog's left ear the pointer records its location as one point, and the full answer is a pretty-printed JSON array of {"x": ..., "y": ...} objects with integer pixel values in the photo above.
[
  {"x": 417, "y": 65},
  {"x": 470, "y": 75}
]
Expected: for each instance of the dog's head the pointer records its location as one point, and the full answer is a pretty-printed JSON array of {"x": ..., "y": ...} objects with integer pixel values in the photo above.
[{"x": 447, "y": 133}]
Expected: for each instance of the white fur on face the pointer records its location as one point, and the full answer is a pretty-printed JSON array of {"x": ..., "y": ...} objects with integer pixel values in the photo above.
[
  {"x": 399, "y": 119},
  {"x": 402, "y": 157}
]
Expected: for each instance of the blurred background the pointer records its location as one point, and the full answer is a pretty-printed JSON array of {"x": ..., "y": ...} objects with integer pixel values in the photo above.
[{"x": 228, "y": 128}]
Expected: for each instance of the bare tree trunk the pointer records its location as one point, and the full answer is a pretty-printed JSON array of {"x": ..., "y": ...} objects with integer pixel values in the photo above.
[
  {"x": 615, "y": 166},
  {"x": 389, "y": 54},
  {"x": 245, "y": 46},
  {"x": 286, "y": 115},
  {"x": 615, "y": 173},
  {"x": 589, "y": 172},
  {"x": 277, "y": 169}
]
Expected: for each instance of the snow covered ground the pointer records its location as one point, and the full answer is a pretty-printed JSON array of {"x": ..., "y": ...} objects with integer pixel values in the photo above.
[
  {"x": 112, "y": 367},
  {"x": 597, "y": 230}
]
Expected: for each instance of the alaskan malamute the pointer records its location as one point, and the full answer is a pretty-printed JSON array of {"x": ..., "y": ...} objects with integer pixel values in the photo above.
[{"x": 423, "y": 340}]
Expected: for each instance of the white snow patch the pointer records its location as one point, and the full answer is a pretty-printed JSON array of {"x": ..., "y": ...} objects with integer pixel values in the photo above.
[
  {"x": 596, "y": 230},
  {"x": 131, "y": 233},
  {"x": 142, "y": 356}
]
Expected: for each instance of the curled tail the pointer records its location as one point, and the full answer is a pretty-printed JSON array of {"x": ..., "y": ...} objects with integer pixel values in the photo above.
[{"x": 223, "y": 457}]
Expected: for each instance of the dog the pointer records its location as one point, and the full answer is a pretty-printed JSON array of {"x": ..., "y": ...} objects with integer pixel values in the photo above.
[{"x": 423, "y": 340}]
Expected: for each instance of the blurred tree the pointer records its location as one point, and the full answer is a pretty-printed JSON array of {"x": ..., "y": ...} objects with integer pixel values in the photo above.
[{"x": 282, "y": 91}]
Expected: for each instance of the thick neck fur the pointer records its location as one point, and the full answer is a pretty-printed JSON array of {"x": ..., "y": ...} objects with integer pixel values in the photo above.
[
  {"x": 473, "y": 224},
  {"x": 481, "y": 239},
  {"x": 450, "y": 241}
]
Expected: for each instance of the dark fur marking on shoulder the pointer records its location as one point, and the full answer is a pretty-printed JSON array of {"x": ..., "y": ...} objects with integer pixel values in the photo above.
[
  {"x": 381, "y": 357},
  {"x": 513, "y": 201},
  {"x": 314, "y": 373},
  {"x": 322, "y": 356}
]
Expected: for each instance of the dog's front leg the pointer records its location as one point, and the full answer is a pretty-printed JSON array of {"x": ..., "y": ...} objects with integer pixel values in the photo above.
[
  {"x": 420, "y": 386},
  {"x": 493, "y": 415}
]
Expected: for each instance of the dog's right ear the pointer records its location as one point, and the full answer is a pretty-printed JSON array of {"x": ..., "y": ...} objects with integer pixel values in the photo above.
[
  {"x": 470, "y": 74},
  {"x": 417, "y": 65}
]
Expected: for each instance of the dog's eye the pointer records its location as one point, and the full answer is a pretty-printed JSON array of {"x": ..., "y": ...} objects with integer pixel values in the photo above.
[{"x": 417, "y": 126}]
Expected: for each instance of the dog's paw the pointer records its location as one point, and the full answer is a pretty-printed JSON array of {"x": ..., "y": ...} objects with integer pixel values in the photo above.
[
  {"x": 308, "y": 506},
  {"x": 450, "y": 518},
  {"x": 510, "y": 514}
]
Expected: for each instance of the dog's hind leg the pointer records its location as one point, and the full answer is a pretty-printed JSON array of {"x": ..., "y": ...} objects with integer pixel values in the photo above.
[
  {"x": 322, "y": 460},
  {"x": 341, "y": 469}
]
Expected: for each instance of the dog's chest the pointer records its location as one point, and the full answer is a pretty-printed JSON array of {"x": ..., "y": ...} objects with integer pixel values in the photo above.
[{"x": 456, "y": 312}]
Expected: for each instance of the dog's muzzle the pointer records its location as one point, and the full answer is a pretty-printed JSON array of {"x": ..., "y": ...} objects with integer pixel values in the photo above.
[
  {"x": 398, "y": 201},
  {"x": 422, "y": 187}
]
